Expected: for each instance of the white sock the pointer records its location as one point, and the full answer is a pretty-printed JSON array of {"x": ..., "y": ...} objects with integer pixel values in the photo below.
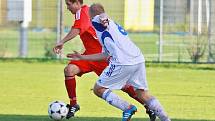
[
  {"x": 115, "y": 100},
  {"x": 157, "y": 108}
]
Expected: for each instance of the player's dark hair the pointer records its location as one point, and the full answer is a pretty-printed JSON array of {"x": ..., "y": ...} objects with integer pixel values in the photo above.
[
  {"x": 96, "y": 9},
  {"x": 80, "y": 1}
]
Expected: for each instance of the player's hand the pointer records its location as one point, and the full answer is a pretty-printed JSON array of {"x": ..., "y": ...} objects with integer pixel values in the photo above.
[
  {"x": 75, "y": 56},
  {"x": 58, "y": 47}
]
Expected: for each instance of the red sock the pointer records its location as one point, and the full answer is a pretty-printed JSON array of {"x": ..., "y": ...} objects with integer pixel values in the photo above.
[
  {"x": 71, "y": 90},
  {"x": 131, "y": 92}
]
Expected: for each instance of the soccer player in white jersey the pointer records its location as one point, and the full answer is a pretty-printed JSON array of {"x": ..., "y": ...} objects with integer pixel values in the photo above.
[{"x": 127, "y": 66}]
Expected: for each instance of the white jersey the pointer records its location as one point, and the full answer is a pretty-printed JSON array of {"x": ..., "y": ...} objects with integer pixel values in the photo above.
[{"x": 116, "y": 43}]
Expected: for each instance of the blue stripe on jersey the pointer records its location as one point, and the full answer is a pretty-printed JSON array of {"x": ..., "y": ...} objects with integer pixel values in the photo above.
[
  {"x": 104, "y": 35},
  {"x": 99, "y": 27}
]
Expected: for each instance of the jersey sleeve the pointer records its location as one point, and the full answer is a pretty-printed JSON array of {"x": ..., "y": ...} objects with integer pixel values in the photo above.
[
  {"x": 82, "y": 21},
  {"x": 108, "y": 46}
]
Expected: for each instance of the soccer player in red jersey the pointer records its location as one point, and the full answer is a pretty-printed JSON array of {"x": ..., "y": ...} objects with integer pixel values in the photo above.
[{"x": 83, "y": 27}]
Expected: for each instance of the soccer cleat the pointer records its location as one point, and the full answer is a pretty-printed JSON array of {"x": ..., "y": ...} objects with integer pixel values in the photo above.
[
  {"x": 127, "y": 114},
  {"x": 72, "y": 110},
  {"x": 151, "y": 114}
]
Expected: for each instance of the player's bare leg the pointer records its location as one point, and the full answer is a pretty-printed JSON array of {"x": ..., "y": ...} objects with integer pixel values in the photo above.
[
  {"x": 116, "y": 101},
  {"x": 153, "y": 104},
  {"x": 129, "y": 89},
  {"x": 70, "y": 71}
]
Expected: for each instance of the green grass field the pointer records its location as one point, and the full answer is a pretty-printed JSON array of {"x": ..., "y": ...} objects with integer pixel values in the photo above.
[{"x": 26, "y": 88}]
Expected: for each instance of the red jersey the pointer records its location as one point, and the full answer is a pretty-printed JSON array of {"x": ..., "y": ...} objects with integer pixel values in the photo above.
[{"x": 87, "y": 32}]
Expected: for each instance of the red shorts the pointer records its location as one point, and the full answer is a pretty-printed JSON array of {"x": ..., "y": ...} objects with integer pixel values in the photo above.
[{"x": 90, "y": 66}]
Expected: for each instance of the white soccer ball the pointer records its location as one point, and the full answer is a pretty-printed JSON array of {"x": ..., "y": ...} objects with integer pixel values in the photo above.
[{"x": 57, "y": 110}]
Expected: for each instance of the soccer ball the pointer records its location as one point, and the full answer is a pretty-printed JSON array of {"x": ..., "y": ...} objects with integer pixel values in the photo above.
[{"x": 57, "y": 110}]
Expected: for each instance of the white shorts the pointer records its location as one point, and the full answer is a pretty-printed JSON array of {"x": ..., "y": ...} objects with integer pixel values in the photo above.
[{"x": 116, "y": 77}]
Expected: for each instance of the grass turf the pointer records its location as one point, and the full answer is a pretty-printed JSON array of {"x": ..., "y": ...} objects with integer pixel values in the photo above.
[{"x": 27, "y": 88}]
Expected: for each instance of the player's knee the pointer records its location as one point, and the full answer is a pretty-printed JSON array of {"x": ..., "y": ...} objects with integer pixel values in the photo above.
[
  {"x": 71, "y": 70},
  {"x": 98, "y": 91},
  {"x": 143, "y": 94}
]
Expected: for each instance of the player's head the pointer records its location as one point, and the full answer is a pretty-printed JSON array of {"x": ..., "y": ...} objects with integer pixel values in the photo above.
[
  {"x": 96, "y": 9},
  {"x": 74, "y": 5}
]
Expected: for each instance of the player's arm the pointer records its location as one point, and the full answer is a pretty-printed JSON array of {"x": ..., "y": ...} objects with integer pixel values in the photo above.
[
  {"x": 92, "y": 57},
  {"x": 72, "y": 34}
]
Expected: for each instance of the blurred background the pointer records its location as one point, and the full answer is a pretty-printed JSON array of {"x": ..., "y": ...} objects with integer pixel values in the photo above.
[{"x": 165, "y": 30}]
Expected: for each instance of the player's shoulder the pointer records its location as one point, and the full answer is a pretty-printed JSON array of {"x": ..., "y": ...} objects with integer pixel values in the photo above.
[
  {"x": 85, "y": 7},
  {"x": 84, "y": 10}
]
